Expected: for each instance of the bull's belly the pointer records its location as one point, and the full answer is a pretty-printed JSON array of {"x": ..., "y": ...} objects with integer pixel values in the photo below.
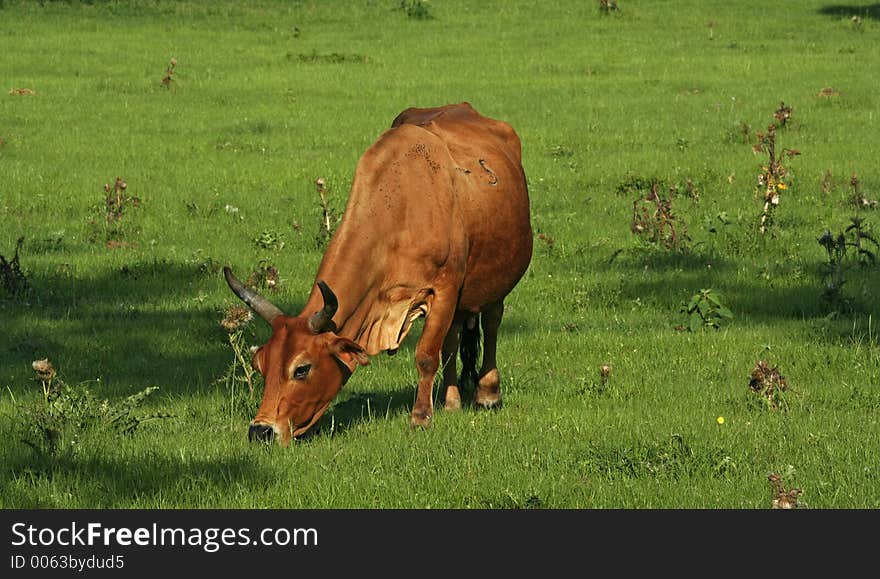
[{"x": 493, "y": 277}]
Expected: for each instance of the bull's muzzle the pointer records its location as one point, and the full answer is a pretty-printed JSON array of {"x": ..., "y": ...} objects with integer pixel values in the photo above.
[{"x": 261, "y": 433}]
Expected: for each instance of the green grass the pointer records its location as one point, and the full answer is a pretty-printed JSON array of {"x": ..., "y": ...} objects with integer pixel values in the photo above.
[{"x": 268, "y": 96}]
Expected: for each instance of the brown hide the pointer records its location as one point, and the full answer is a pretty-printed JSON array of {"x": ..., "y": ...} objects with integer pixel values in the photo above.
[
  {"x": 436, "y": 225},
  {"x": 440, "y": 200}
]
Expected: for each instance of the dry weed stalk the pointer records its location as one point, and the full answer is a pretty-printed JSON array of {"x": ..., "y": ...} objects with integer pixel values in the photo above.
[
  {"x": 769, "y": 383},
  {"x": 826, "y": 182},
  {"x": 265, "y": 277},
  {"x": 858, "y": 198},
  {"x": 771, "y": 179},
  {"x": 328, "y": 217},
  {"x": 321, "y": 187},
  {"x": 46, "y": 374},
  {"x": 653, "y": 218},
  {"x": 116, "y": 199},
  {"x": 234, "y": 321},
  {"x": 782, "y": 114},
  {"x": 605, "y": 372},
  {"x": 783, "y": 499},
  {"x": 169, "y": 74}
]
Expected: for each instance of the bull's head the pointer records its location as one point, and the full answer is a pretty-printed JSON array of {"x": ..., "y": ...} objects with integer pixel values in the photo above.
[{"x": 304, "y": 364}]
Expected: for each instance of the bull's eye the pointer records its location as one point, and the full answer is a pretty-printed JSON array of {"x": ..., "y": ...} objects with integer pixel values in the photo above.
[{"x": 301, "y": 371}]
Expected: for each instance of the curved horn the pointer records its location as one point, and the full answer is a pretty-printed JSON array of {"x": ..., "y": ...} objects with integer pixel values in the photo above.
[
  {"x": 263, "y": 307},
  {"x": 322, "y": 320}
]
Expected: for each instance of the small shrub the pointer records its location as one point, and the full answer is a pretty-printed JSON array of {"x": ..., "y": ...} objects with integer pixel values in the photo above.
[
  {"x": 111, "y": 226},
  {"x": 654, "y": 221},
  {"x": 860, "y": 235},
  {"x": 705, "y": 310},
  {"x": 857, "y": 237},
  {"x": 68, "y": 416},
  {"x": 833, "y": 271}
]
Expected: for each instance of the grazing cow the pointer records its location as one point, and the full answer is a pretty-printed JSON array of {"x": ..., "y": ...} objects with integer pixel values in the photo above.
[{"x": 436, "y": 225}]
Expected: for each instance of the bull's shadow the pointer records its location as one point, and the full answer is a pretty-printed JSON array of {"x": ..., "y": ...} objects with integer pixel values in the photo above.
[{"x": 362, "y": 407}]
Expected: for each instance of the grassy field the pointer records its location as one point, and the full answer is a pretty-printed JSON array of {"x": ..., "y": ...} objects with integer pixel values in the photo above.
[{"x": 266, "y": 97}]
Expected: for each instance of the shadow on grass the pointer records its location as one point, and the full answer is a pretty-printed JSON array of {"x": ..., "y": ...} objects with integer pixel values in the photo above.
[
  {"x": 114, "y": 482},
  {"x": 849, "y": 10},
  {"x": 141, "y": 324},
  {"x": 363, "y": 407},
  {"x": 784, "y": 291}
]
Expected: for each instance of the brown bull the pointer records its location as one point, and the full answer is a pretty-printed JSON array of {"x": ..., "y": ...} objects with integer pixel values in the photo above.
[{"x": 436, "y": 225}]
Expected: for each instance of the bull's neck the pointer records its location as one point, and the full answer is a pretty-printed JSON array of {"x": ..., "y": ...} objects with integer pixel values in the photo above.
[{"x": 348, "y": 271}]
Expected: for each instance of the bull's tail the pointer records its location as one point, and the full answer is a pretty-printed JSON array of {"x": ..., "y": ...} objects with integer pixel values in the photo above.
[{"x": 469, "y": 349}]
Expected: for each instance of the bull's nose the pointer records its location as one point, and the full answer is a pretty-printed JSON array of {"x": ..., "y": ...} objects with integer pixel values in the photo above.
[{"x": 261, "y": 433}]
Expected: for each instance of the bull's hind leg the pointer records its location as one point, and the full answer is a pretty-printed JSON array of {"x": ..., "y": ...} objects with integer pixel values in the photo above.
[
  {"x": 452, "y": 400},
  {"x": 488, "y": 392},
  {"x": 437, "y": 324}
]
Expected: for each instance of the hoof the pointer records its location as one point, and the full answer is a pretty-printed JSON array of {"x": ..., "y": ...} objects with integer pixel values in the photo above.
[
  {"x": 453, "y": 398},
  {"x": 487, "y": 400},
  {"x": 420, "y": 419},
  {"x": 488, "y": 394}
]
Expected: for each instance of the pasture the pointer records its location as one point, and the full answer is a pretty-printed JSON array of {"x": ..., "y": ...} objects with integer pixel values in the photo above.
[{"x": 220, "y": 161}]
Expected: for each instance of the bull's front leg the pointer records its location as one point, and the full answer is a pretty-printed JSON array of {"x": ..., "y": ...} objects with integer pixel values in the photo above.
[{"x": 437, "y": 324}]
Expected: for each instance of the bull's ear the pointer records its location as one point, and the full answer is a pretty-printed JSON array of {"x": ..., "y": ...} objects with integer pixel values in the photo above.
[
  {"x": 348, "y": 352},
  {"x": 257, "y": 359}
]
